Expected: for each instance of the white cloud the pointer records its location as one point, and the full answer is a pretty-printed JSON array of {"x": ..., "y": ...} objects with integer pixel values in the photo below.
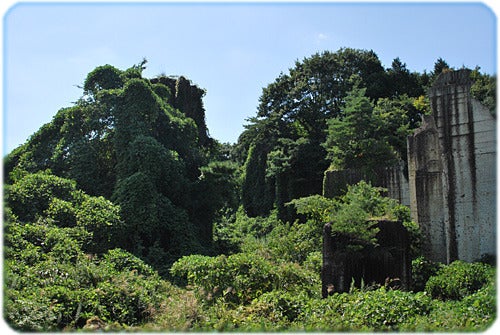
[{"x": 320, "y": 37}]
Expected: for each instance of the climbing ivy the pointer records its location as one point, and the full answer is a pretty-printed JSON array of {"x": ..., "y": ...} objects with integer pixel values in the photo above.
[{"x": 137, "y": 142}]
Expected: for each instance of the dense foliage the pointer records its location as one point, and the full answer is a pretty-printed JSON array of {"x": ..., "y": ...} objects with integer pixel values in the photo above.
[
  {"x": 124, "y": 140},
  {"x": 122, "y": 213},
  {"x": 334, "y": 109},
  {"x": 322, "y": 112},
  {"x": 61, "y": 266},
  {"x": 458, "y": 280},
  {"x": 484, "y": 89},
  {"x": 353, "y": 213}
]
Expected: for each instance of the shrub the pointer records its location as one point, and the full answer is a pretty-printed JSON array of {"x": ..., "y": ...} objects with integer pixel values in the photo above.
[
  {"x": 101, "y": 218},
  {"x": 352, "y": 214},
  {"x": 54, "y": 294},
  {"x": 280, "y": 305},
  {"x": 480, "y": 307},
  {"x": 422, "y": 270},
  {"x": 294, "y": 242},
  {"x": 458, "y": 280},
  {"x": 378, "y": 310},
  {"x": 50, "y": 200},
  {"x": 128, "y": 298},
  {"x": 32, "y": 194},
  {"x": 272, "y": 311},
  {"x": 123, "y": 261},
  {"x": 232, "y": 229},
  {"x": 52, "y": 284},
  {"x": 242, "y": 277},
  {"x": 29, "y": 312},
  {"x": 314, "y": 262},
  {"x": 385, "y": 310},
  {"x": 476, "y": 312}
]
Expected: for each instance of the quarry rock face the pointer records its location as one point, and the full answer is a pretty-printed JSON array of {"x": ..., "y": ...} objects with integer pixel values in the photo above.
[{"x": 452, "y": 173}]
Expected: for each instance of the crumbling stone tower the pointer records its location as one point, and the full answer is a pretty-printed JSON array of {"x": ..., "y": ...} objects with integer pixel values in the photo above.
[{"x": 452, "y": 173}]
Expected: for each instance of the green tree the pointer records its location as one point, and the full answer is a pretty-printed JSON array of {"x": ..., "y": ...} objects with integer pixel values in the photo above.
[
  {"x": 351, "y": 214},
  {"x": 291, "y": 122},
  {"x": 104, "y": 77},
  {"x": 357, "y": 139},
  {"x": 370, "y": 135},
  {"x": 399, "y": 117},
  {"x": 402, "y": 81},
  {"x": 257, "y": 191},
  {"x": 124, "y": 140},
  {"x": 484, "y": 89},
  {"x": 439, "y": 66},
  {"x": 219, "y": 186}
]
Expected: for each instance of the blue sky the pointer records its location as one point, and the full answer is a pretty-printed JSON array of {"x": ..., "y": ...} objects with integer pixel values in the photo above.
[{"x": 232, "y": 50}]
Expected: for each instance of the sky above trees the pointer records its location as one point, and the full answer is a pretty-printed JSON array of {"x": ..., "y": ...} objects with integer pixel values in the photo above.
[{"x": 232, "y": 50}]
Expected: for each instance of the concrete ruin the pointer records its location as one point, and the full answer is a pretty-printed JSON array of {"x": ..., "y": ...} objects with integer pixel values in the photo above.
[
  {"x": 452, "y": 173},
  {"x": 450, "y": 184},
  {"x": 387, "y": 262},
  {"x": 393, "y": 178}
]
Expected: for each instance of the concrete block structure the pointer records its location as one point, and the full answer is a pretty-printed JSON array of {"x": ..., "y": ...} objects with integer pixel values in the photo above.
[
  {"x": 388, "y": 261},
  {"x": 452, "y": 173}
]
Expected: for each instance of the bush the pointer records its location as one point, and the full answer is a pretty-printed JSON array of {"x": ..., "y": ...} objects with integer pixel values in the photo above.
[
  {"x": 475, "y": 312},
  {"x": 280, "y": 305},
  {"x": 50, "y": 200},
  {"x": 232, "y": 229},
  {"x": 353, "y": 213},
  {"x": 378, "y": 310},
  {"x": 52, "y": 284},
  {"x": 54, "y": 294},
  {"x": 128, "y": 298},
  {"x": 422, "y": 270},
  {"x": 29, "y": 312},
  {"x": 294, "y": 242},
  {"x": 30, "y": 196},
  {"x": 272, "y": 311},
  {"x": 123, "y": 261},
  {"x": 458, "y": 280},
  {"x": 314, "y": 262},
  {"x": 385, "y": 310},
  {"x": 242, "y": 277}
]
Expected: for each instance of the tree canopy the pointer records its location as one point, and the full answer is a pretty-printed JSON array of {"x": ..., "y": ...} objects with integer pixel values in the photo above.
[
  {"x": 322, "y": 112},
  {"x": 124, "y": 140},
  {"x": 125, "y": 191},
  {"x": 144, "y": 144}
]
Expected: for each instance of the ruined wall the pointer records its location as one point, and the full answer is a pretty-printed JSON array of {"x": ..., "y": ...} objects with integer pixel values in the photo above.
[
  {"x": 452, "y": 173},
  {"x": 392, "y": 178},
  {"x": 388, "y": 260},
  {"x": 425, "y": 172}
]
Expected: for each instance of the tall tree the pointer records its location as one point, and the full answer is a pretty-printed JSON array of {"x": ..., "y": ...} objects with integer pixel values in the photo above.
[
  {"x": 370, "y": 135},
  {"x": 439, "y": 66},
  {"x": 484, "y": 89},
  {"x": 124, "y": 140},
  {"x": 402, "y": 81},
  {"x": 291, "y": 122}
]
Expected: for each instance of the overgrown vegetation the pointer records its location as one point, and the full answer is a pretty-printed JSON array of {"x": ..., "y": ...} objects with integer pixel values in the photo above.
[
  {"x": 123, "y": 214},
  {"x": 61, "y": 268}
]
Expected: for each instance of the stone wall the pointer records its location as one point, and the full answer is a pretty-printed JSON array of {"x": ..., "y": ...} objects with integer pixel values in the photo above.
[{"x": 452, "y": 173}]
